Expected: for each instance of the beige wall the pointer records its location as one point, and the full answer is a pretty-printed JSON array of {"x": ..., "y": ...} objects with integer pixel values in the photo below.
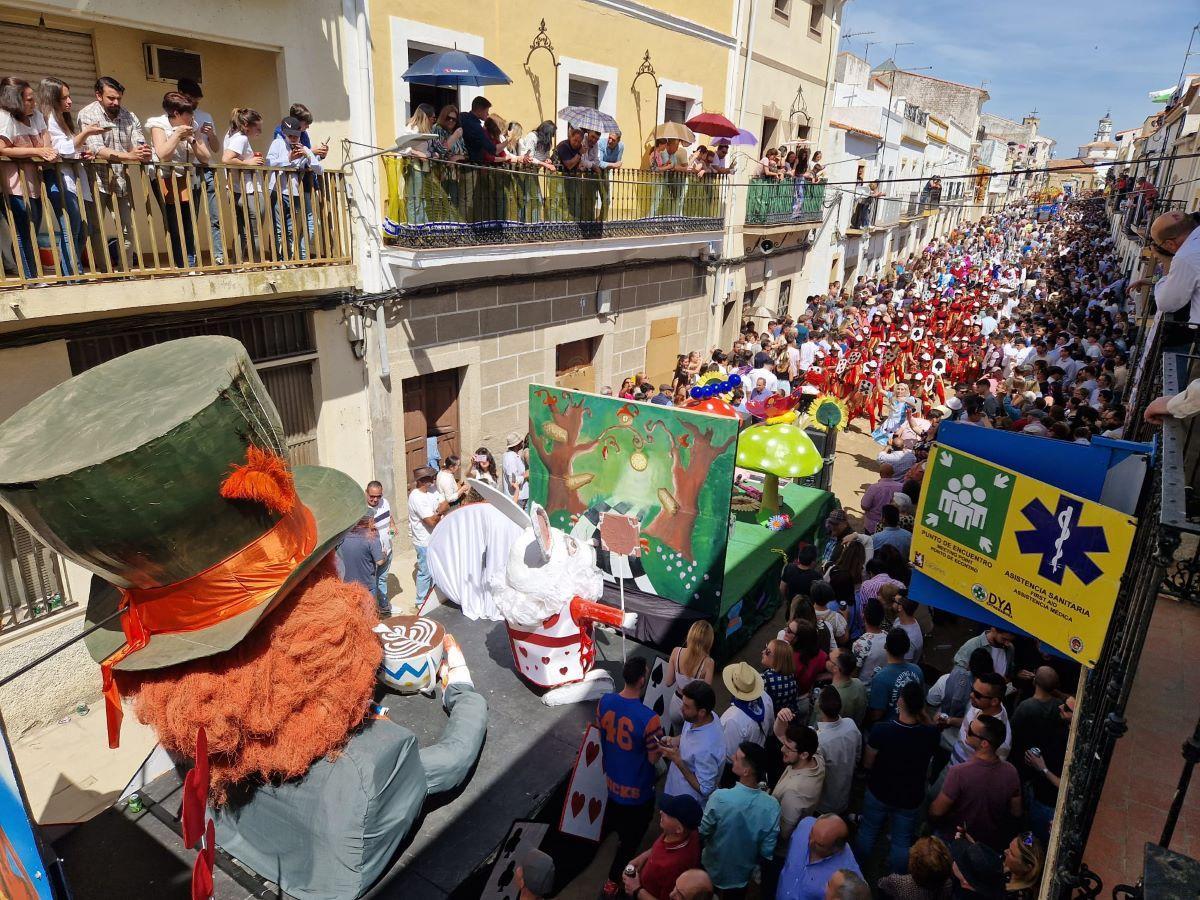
[
  {"x": 261, "y": 54},
  {"x": 579, "y": 30},
  {"x": 51, "y": 689},
  {"x": 504, "y": 339},
  {"x": 343, "y": 426}
]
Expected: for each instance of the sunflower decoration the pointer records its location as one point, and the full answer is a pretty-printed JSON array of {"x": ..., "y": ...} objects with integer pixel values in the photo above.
[{"x": 828, "y": 412}]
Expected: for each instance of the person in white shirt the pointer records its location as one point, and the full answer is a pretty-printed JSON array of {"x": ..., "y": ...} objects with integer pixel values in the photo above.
[
  {"x": 808, "y": 353},
  {"x": 245, "y": 125},
  {"x": 987, "y": 696},
  {"x": 385, "y": 528},
  {"x": 23, "y": 137},
  {"x": 425, "y": 509},
  {"x": 516, "y": 476},
  {"x": 1176, "y": 235},
  {"x": 173, "y": 139},
  {"x": 449, "y": 487},
  {"x": 840, "y": 742},
  {"x": 54, "y": 98},
  {"x": 751, "y": 711},
  {"x": 206, "y": 181},
  {"x": 288, "y": 197},
  {"x": 766, "y": 373}
]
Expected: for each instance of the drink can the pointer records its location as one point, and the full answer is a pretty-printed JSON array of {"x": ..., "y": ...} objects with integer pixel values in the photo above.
[
  {"x": 630, "y": 871},
  {"x": 82, "y": 709},
  {"x": 135, "y": 804}
]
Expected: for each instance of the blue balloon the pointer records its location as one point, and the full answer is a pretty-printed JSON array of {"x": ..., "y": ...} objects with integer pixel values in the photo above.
[
  {"x": 697, "y": 393},
  {"x": 733, "y": 383}
]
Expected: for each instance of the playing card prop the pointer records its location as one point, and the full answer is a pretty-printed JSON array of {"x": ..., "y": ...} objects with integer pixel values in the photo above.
[
  {"x": 1046, "y": 561},
  {"x": 522, "y": 837},
  {"x": 670, "y": 469},
  {"x": 587, "y": 791},
  {"x": 658, "y": 694},
  {"x": 195, "y": 823}
]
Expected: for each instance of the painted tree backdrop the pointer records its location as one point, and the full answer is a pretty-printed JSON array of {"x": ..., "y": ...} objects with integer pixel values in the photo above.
[{"x": 673, "y": 468}]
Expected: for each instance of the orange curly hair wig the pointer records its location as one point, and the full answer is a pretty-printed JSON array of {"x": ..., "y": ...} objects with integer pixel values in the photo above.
[{"x": 287, "y": 695}]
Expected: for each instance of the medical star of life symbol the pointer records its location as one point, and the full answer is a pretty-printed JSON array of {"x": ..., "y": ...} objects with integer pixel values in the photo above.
[{"x": 1062, "y": 542}]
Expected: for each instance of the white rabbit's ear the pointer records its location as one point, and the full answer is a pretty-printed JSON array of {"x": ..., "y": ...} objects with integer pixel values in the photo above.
[
  {"x": 541, "y": 529},
  {"x": 502, "y": 502}
]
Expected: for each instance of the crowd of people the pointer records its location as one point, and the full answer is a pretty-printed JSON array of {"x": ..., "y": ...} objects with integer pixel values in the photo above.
[
  {"x": 472, "y": 165},
  {"x": 848, "y": 763},
  {"x": 76, "y": 182}
]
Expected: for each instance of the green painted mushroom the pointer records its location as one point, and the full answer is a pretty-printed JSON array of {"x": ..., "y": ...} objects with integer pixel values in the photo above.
[{"x": 778, "y": 451}]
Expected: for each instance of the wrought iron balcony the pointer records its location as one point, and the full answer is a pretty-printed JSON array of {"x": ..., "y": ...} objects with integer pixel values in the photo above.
[
  {"x": 431, "y": 203},
  {"x": 790, "y": 201}
]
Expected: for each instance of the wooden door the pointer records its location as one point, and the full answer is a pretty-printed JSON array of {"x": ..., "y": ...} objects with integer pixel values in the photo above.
[
  {"x": 430, "y": 411},
  {"x": 575, "y": 365}
]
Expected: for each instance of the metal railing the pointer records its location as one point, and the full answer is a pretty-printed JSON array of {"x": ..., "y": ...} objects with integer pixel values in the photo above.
[
  {"x": 431, "y": 203},
  {"x": 791, "y": 200},
  {"x": 886, "y": 212},
  {"x": 84, "y": 221},
  {"x": 1165, "y": 557}
]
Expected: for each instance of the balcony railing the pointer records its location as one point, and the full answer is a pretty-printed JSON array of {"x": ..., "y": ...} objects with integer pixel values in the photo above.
[
  {"x": 792, "y": 200},
  {"x": 1164, "y": 559},
  {"x": 75, "y": 221},
  {"x": 914, "y": 131},
  {"x": 439, "y": 204},
  {"x": 876, "y": 212}
]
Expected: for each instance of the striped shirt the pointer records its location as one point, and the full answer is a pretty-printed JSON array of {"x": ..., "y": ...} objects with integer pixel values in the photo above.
[{"x": 383, "y": 524}]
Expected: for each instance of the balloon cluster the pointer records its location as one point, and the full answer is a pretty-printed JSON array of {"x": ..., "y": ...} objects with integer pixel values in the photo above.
[{"x": 715, "y": 388}]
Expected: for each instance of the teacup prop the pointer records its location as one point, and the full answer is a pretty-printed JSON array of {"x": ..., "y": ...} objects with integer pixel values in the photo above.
[{"x": 412, "y": 653}]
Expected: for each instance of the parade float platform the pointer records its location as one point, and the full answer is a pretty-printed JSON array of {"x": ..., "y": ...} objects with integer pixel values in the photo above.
[
  {"x": 752, "y": 562},
  {"x": 526, "y": 759}
]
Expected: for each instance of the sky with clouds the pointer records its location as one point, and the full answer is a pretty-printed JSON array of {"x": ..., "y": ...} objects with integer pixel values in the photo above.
[{"x": 1068, "y": 59}]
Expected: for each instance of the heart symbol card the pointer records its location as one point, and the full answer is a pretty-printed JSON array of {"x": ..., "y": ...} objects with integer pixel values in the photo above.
[{"x": 587, "y": 791}]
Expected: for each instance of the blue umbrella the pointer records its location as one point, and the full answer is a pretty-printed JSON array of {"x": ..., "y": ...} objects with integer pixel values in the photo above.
[
  {"x": 453, "y": 68},
  {"x": 588, "y": 119}
]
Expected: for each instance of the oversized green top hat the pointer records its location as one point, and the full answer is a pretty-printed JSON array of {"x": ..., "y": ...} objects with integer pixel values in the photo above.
[{"x": 122, "y": 469}]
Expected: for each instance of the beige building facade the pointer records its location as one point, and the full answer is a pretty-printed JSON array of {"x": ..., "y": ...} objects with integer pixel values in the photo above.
[{"x": 290, "y": 316}]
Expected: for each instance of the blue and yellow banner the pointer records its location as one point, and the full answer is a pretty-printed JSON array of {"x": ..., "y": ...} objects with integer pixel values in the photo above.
[{"x": 1045, "y": 560}]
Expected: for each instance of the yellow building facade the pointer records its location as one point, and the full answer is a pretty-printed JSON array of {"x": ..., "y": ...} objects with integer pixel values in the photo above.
[{"x": 597, "y": 51}]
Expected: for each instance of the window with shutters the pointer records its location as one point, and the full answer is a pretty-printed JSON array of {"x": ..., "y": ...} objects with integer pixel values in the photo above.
[
  {"x": 675, "y": 109},
  {"x": 785, "y": 299},
  {"x": 291, "y": 388},
  {"x": 581, "y": 92},
  {"x": 31, "y": 53},
  {"x": 275, "y": 341},
  {"x": 31, "y": 587}
]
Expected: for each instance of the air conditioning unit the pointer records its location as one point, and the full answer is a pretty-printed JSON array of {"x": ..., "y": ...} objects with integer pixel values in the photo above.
[{"x": 169, "y": 64}]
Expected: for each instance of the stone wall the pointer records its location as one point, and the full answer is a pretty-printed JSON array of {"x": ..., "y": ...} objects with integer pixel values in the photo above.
[{"x": 504, "y": 336}]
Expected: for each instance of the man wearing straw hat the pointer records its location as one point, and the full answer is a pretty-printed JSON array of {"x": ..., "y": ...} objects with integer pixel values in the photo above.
[{"x": 751, "y": 712}]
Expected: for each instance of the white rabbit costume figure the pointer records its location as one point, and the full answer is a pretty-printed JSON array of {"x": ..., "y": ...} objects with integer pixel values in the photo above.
[{"x": 549, "y": 596}]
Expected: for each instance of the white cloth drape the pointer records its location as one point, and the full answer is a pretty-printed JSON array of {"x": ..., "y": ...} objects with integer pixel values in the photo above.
[{"x": 465, "y": 550}]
